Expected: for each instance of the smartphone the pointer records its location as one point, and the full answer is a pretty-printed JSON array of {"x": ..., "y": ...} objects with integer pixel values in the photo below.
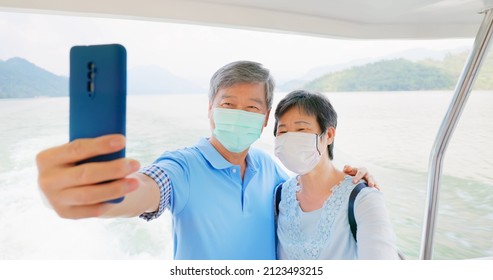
[{"x": 98, "y": 90}]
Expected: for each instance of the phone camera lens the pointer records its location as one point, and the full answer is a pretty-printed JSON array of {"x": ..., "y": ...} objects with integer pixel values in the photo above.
[{"x": 90, "y": 86}]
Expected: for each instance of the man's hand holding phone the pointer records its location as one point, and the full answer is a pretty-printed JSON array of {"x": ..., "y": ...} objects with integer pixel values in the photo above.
[{"x": 76, "y": 190}]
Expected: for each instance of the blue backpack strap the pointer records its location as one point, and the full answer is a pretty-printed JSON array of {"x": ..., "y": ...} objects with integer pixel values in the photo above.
[
  {"x": 277, "y": 199},
  {"x": 352, "y": 198}
]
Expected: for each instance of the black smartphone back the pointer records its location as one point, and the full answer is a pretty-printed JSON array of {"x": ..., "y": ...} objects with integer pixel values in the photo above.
[{"x": 98, "y": 82}]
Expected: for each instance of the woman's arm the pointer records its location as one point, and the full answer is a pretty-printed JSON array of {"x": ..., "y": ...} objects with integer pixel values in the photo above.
[{"x": 376, "y": 237}]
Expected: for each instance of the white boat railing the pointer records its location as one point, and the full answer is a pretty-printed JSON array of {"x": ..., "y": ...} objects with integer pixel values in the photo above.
[{"x": 462, "y": 91}]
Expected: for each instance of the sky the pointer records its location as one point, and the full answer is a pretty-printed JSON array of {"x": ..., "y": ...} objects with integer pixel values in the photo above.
[{"x": 189, "y": 51}]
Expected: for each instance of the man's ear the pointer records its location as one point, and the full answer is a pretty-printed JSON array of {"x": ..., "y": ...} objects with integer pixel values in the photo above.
[
  {"x": 209, "y": 110},
  {"x": 267, "y": 118}
]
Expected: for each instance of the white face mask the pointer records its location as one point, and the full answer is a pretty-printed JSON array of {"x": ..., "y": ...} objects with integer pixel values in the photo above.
[{"x": 298, "y": 151}]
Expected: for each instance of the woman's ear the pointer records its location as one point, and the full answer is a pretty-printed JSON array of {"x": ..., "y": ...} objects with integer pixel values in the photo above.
[{"x": 331, "y": 134}]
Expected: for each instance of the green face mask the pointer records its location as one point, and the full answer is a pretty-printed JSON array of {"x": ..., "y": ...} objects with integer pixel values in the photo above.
[{"x": 237, "y": 129}]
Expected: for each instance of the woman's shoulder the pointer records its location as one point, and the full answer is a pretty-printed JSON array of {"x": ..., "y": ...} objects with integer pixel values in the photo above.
[
  {"x": 370, "y": 192},
  {"x": 289, "y": 189},
  {"x": 290, "y": 184},
  {"x": 347, "y": 185},
  {"x": 344, "y": 187},
  {"x": 369, "y": 198}
]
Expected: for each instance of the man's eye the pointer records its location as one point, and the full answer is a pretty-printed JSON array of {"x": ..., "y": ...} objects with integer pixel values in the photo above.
[{"x": 252, "y": 109}]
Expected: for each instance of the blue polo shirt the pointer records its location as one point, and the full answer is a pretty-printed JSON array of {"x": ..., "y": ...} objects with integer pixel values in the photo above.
[{"x": 216, "y": 214}]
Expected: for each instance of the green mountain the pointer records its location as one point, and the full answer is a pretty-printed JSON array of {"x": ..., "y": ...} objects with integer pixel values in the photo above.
[
  {"x": 454, "y": 64},
  {"x": 403, "y": 75},
  {"x": 21, "y": 78},
  {"x": 385, "y": 75}
]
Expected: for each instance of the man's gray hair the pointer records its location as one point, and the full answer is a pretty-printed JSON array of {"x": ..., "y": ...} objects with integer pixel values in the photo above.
[{"x": 242, "y": 72}]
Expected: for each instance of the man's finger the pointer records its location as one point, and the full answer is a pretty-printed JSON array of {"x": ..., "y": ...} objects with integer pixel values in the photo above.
[
  {"x": 369, "y": 180},
  {"x": 362, "y": 172},
  {"x": 96, "y": 172},
  {"x": 350, "y": 170},
  {"x": 94, "y": 194},
  {"x": 88, "y": 211},
  {"x": 79, "y": 150}
]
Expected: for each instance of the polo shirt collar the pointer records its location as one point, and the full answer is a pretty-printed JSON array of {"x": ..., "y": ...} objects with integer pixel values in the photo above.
[
  {"x": 216, "y": 159},
  {"x": 212, "y": 155}
]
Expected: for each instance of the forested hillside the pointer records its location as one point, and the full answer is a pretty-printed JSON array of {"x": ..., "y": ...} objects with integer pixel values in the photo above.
[{"x": 403, "y": 75}]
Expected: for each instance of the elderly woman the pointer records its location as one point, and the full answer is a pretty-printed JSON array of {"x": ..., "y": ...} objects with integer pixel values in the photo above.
[{"x": 313, "y": 218}]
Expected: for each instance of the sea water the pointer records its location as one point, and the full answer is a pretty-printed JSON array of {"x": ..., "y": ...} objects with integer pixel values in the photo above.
[{"x": 389, "y": 133}]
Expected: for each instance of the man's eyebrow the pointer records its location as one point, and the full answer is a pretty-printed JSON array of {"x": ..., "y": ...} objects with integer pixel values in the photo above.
[
  {"x": 224, "y": 96},
  {"x": 257, "y": 100}
]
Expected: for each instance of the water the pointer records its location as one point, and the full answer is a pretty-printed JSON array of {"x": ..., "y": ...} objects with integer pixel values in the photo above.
[{"x": 390, "y": 133}]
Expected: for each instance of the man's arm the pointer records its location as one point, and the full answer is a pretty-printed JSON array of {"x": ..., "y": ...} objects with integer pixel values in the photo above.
[
  {"x": 144, "y": 199},
  {"x": 80, "y": 191}
]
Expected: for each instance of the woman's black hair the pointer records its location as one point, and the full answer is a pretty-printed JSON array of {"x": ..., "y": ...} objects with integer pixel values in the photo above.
[{"x": 312, "y": 104}]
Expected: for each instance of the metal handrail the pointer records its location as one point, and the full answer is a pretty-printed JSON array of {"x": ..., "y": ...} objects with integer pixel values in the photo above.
[{"x": 462, "y": 91}]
